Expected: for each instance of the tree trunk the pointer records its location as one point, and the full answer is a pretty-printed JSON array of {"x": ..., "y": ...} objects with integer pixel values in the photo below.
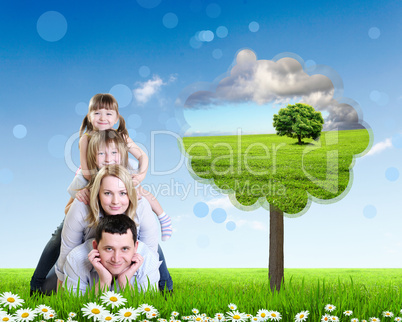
[
  {"x": 300, "y": 141},
  {"x": 275, "y": 247}
]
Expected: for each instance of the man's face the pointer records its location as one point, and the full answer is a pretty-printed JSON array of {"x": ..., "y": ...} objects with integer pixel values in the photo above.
[{"x": 116, "y": 251}]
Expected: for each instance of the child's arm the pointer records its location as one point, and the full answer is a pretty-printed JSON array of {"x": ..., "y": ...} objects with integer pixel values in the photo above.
[
  {"x": 142, "y": 158},
  {"x": 83, "y": 145}
]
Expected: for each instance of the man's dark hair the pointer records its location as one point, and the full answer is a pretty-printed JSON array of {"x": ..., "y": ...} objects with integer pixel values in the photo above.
[{"x": 115, "y": 224}]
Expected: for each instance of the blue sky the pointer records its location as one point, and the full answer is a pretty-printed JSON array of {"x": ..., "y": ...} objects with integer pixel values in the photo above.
[{"x": 55, "y": 55}]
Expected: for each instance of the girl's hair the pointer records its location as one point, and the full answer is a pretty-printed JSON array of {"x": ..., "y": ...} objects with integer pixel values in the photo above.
[
  {"x": 122, "y": 173},
  {"x": 100, "y": 139},
  {"x": 99, "y": 102}
]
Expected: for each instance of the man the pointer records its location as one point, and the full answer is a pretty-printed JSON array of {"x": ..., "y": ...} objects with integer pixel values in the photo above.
[{"x": 113, "y": 259}]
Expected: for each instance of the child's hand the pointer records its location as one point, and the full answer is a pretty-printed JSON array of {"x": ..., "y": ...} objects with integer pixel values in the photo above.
[{"x": 83, "y": 196}]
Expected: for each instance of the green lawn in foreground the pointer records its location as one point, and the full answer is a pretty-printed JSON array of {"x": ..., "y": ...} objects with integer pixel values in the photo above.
[
  {"x": 368, "y": 292},
  {"x": 277, "y": 168}
]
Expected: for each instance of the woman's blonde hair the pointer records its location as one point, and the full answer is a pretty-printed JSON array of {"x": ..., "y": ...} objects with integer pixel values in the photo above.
[
  {"x": 99, "y": 102},
  {"x": 100, "y": 139},
  {"x": 117, "y": 171}
]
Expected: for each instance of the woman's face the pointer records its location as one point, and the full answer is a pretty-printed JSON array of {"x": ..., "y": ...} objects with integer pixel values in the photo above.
[
  {"x": 107, "y": 154},
  {"x": 113, "y": 196}
]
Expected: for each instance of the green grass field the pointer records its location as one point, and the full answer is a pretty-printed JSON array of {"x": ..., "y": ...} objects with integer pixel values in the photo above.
[
  {"x": 367, "y": 292},
  {"x": 277, "y": 168}
]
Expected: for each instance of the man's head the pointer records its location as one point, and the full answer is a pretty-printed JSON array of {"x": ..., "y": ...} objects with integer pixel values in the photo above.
[{"x": 116, "y": 241}]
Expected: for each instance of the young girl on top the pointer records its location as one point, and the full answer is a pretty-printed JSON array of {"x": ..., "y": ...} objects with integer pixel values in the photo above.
[{"x": 103, "y": 114}]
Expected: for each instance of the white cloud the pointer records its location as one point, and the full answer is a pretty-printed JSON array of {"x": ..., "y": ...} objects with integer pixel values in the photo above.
[
  {"x": 277, "y": 82},
  {"x": 380, "y": 147},
  {"x": 146, "y": 90},
  {"x": 223, "y": 202}
]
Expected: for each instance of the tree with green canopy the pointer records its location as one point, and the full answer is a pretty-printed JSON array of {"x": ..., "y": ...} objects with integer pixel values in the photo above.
[{"x": 298, "y": 121}]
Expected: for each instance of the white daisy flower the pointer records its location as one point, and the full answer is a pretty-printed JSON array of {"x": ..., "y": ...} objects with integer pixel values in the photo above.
[
  {"x": 152, "y": 314},
  {"x": 50, "y": 315},
  {"x": 92, "y": 310},
  {"x": 11, "y": 300},
  {"x": 263, "y": 314},
  {"x": 232, "y": 306},
  {"x": 354, "y": 320},
  {"x": 325, "y": 318},
  {"x": 330, "y": 307},
  {"x": 334, "y": 318},
  {"x": 72, "y": 314},
  {"x": 219, "y": 316},
  {"x": 108, "y": 317},
  {"x": 58, "y": 320},
  {"x": 6, "y": 317},
  {"x": 398, "y": 319},
  {"x": 374, "y": 319},
  {"x": 274, "y": 316},
  {"x": 255, "y": 319},
  {"x": 195, "y": 311},
  {"x": 198, "y": 318},
  {"x": 236, "y": 316},
  {"x": 302, "y": 316},
  {"x": 43, "y": 309},
  {"x": 112, "y": 299},
  {"x": 146, "y": 308},
  {"x": 387, "y": 314},
  {"x": 128, "y": 314},
  {"x": 174, "y": 313},
  {"x": 348, "y": 312},
  {"x": 364, "y": 321},
  {"x": 25, "y": 315}
]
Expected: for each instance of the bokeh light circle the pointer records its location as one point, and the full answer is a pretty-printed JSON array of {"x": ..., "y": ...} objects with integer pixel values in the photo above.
[
  {"x": 374, "y": 33},
  {"x": 392, "y": 174},
  {"x": 222, "y": 31},
  {"x": 207, "y": 35},
  {"x": 134, "y": 121},
  {"x": 397, "y": 141},
  {"x": 254, "y": 26},
  {"x": 19, "y": 131},
  {"x": 201, "y": 209},
  {"x": 203, "y": 241},
  {"x": 219, "y": 215},
  {"x": 122, "y": 94},
  {"x": 217, "y": 53},
  {"x": 375, "y": 96},
  {"x": 230, "y": 225},
  {"x": 149, "y": 4},
  {"x": 370, "y": 211},
  {"x": 6, "y": 176},
  {"x": 56, "y": 146},
  {"x": 170, "y": 20},
  {"x": 51, "y": 26},
  {"x": 141, "y": 138},
  {"x": 81, "y": 109},
  {"x": 195, "y": 43},
  {"x": 144, "y": 71},
  {"x": 213, "y": 10},
  {"x": 310, "y": 64}
]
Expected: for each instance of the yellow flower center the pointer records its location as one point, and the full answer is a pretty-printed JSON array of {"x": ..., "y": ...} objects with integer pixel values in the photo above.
[
  {"x": 24, "y": 315},
  {"x": 263, "y": 315},
  {"x": 301, "y": 316},
  {"x": 113, "y": 299},
  {"x": 147, "y": 309},
  {"x": 236, "y": 317},
  {"x": 198, "y": 319},
  {"x": 44, "y": 310},
  {"x": 95, "y": 311},
  {"x": 127, "y": 314},
  {"x": 108, "y": 318},
  {"x": 11, "y": 300},
  {"x": 273, "y": 314},
  {"x": 6, "y": 319}
]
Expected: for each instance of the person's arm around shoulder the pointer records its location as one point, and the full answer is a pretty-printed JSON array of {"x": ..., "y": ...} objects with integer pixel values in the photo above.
[
  {"x": 83, "y": 144},
  {"x": 142, "y": 158},
  {"x": 149, "y": 228},
  {"x": 72, "y": 233}
]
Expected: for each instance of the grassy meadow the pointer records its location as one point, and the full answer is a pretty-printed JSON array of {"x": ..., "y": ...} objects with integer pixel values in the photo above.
[
  {"x": 367, "y": 292},
  {"x": 277, "y": 168}
]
